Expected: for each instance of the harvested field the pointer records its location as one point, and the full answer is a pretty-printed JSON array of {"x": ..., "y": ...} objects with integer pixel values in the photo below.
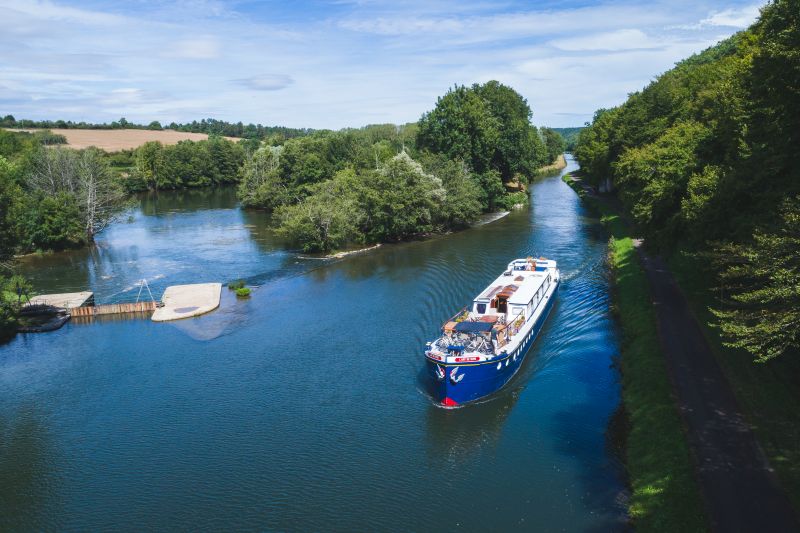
[{"x": 115, "y": 140}]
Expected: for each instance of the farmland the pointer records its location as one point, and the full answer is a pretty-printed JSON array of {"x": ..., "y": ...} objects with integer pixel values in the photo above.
[{"x": 114, "y": 140}]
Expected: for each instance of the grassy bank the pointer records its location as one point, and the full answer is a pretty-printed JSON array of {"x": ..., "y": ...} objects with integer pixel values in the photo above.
[
  {"x": 664, "y": 493},
  {"x": 553, "y": 169},
  {"x": 766, "y": 392}
]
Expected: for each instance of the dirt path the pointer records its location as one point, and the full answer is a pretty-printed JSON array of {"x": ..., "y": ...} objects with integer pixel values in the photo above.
[{"x": 740, "y": 489}]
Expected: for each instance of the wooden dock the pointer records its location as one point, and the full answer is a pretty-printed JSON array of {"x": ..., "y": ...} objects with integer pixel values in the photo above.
[{"x": 113, "y": 309}]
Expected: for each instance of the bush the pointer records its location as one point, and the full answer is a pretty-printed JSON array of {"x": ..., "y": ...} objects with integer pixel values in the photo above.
[
  {"x": 510, "y": 200},
  {"x": 236, "y": 285}
]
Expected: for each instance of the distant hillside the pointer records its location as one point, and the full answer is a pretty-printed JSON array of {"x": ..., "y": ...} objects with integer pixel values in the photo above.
[{"x": 570, "y": 136}]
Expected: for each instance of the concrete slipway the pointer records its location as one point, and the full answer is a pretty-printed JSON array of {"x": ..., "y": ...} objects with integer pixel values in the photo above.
[{"x": 184, "y": 301}]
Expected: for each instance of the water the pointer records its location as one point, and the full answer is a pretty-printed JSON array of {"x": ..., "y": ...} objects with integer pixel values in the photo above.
[{"x": 303, "y": 408}]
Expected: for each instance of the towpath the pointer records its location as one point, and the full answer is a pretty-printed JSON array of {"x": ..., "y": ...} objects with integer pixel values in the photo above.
[{"x": 741, "y": 490}]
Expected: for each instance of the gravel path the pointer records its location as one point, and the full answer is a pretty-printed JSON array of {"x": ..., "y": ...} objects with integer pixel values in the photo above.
[{"x": 741, "y": 491}]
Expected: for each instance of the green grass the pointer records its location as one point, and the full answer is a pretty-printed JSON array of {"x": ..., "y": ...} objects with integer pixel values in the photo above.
[
  {"x": 767, "y": 392},
  {"x": 664, "y": 492}
]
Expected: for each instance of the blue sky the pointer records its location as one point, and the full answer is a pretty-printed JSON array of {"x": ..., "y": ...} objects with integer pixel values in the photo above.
[{"x": 332, "y": 64}]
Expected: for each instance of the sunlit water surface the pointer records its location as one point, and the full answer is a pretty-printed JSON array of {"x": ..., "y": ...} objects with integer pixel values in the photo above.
[{"x": 304, "y": 408}]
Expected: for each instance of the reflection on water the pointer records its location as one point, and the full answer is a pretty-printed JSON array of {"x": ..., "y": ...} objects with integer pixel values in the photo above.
[{"x": 302, "y": 408}]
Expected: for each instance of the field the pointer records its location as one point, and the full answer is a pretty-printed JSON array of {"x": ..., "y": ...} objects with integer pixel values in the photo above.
[{"x": 115, "y": 140}]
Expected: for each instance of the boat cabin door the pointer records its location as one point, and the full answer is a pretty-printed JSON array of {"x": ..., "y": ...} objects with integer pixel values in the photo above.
[{"x": 502, "y": 304}]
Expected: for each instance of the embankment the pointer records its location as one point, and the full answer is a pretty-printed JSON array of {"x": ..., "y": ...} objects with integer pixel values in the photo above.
[
  {"x": 555, "y": 168},
  {"x": 664, "y": 492}
]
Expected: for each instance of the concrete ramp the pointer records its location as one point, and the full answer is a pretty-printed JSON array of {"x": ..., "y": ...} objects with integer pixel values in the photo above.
[
  {"x": 184, "y": 301},
  {"x": 67, "y": 300}
]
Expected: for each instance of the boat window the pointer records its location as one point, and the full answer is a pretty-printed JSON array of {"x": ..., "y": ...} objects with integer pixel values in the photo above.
[{"x": 481, "y": 308}]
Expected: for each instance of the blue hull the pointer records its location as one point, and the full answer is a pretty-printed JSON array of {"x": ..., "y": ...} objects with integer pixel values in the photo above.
[{"x": 482, "y": 379}]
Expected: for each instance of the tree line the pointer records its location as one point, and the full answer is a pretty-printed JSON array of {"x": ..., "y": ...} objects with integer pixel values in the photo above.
[{"x": 706, "y": 159}]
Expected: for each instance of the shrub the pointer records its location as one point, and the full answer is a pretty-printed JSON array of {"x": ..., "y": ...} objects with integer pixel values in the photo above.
[{"x": 235, "y": 285}]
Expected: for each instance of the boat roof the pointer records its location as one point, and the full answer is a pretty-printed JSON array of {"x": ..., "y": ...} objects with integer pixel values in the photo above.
[
  {"x": 518, "y": 286},
  {"x": 528, "y": 288}
]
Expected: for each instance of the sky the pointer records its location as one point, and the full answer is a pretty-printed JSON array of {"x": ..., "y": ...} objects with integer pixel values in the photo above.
[{"x": 339, "y": 63}]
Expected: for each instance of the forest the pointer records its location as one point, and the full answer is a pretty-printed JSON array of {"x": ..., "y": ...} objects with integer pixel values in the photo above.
[{"x": 705, "y": 160}]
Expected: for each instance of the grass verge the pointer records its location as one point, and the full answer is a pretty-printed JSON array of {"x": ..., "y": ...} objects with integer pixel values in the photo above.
[
  {"x": 764, "y": 391},
  {"x": 664, "y": 492}
]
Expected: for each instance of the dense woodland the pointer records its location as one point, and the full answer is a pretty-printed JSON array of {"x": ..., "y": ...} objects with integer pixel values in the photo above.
[
  {"x": 705, "y": 159},
  {"x": 473, "y": 153}
]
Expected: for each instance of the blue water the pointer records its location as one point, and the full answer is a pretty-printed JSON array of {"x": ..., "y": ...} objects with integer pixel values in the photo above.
[{"x": 302, "y": 409}]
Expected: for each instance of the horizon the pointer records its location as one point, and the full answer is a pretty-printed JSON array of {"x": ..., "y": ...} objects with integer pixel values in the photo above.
[{"x": 338, "y": 64}]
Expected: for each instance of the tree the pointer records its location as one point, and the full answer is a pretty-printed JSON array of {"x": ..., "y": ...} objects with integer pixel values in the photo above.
[
  {"x": 326, "y": 219},
  {"x": 84, "y": 176},
  {"x": 8, "y": 195},
  {"x": 150, "y": 163},
  {"x": 401, "y": 200},
  {"x": 488, "y": 126},
  {"x": 100, "y": 195},
  {"x": 155, "y": 125},
  {"x": 461, "y": 126},
  {"x": 261, "y": 184},
  {"x": 554, "y": 144},
  {"x": 763, "y": 279}
]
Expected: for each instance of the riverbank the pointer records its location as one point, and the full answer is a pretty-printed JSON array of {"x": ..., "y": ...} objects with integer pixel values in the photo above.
[
  {"x": 664, "y": 493},
  {"x": 548, "y": 170}
]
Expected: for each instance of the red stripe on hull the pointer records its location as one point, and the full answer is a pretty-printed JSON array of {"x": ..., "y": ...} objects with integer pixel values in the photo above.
[{"x": 449, "y": 402}]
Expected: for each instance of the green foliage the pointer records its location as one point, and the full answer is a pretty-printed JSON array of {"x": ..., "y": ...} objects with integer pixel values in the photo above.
[
  {"x": 9, "y": 196},
  {"x": 398, "y": 201},
  {"x": 512, "y": 200},
  {"x": 554, "y": 144},
  {"x": 234, "y": 285},
  {"x": 708, "y": 153},
  {"x": 570, "y": 136},
  {"x": 261, "y": 184},
  {"x": 47, "y": 137},
  {"x": 488, "y": 127},
  {"x": 155, "y": 125},
  {"x": 326, "y": 219},
  {"x": 762, "y": 278},
  {"x": 50, "y": 222},
  {"x": 242, "y": 292},
  {"x": 187, "y": 164}
]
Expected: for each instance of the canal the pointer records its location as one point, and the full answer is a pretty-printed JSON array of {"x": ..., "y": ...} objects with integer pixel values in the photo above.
[{"x": 303, "y": 408}]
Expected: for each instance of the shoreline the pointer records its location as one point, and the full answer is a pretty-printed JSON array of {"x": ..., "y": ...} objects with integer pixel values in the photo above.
[{"x": 664, "y": 490}]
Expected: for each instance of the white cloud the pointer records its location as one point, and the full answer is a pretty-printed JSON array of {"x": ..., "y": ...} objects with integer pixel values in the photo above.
[
  {"x": 614, "y": 40},
  {"x": 46, "y": 10},
  {"x": 197, "y": 48},
  {"x": 734, "y": 18}
]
